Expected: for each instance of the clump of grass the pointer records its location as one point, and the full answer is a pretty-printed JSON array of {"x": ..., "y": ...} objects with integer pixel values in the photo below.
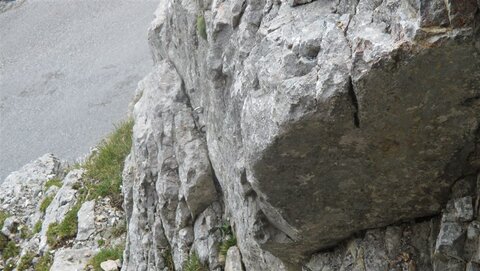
[
  {"x": 229, "y": 240},
  {"x": 25, "y": 261},
  {"x": 101, "y": 242},
  {"x": 168, "y": 259},
  {"x": 106, "y": 254},
  {"x": 59, "y": 233},
  {"x": 25, "y": 232},
  {"x": 44, "y": 263},
  {"x": 106, "y": 165},
  {"x": 3, "y": 241},
  {"x": 45, "y": 203},
  {"x": 193, "y": 264},
  {"x": 202, "y": 27},
  {"x": 3, "y": 216},
  {"x": 53, "y": 182},
  {"x": 9, "y": 266},
  {"x": 38, "y": 226},
  {"x": 11, "y": 250}
]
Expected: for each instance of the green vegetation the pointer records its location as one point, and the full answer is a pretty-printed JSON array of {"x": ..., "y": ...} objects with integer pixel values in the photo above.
[
  {"x": 38, "y": 226},
  {"x": 229, "y": 240},
  {"x": 25, "y": 232},
  {"x": 3, "y": 242},
  {"x": 101, "y": 242},
  {"x": 104, "y": 168},
  {"x": 11, "y": 250},
  {"x": 59, "y": 233},
  {"x": 25, "y": 261},
  {"x": 168, "y": 259},
  {"x": 44, "y": 263},
  {"x": 45, "y": 203},
  {"x": 202, "y": 27},
  {"x": 3, "y": 215},
  {"x": 53, "y": 182},
  {"x": 9, "y": 266},
  {"x": 193, "y": 264},
  {"x": 105, "y": 255}
]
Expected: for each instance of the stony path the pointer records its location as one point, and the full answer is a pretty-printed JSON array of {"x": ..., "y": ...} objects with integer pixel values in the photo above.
[{"x": 68, "y": 70}]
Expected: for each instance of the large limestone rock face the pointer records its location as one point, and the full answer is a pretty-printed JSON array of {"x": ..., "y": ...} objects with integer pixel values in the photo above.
[{"x": 320, "y": 120}]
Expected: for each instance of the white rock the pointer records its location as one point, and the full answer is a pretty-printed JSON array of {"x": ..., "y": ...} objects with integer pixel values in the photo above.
[
  {"x": 109, "y": 265},
  {"x": 234, "y": 260},
  {"x": 86, "y": 221}
]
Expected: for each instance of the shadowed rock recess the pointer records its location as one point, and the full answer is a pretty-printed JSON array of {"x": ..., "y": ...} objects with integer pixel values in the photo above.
[{"x": 309, "y": 127}]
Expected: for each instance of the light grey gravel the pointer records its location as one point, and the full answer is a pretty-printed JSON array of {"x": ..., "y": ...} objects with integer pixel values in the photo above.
[{"x": 68, "y": 70}]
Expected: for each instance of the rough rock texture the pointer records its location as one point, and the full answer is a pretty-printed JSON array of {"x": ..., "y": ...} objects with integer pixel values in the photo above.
[
  {"x": 319, "y": 121},
  {"x": 22, "y": 193}
]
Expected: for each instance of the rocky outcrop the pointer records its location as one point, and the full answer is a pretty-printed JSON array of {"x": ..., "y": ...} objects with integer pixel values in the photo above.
[
  {"x": 304, "y": 125},
  {"x": 41, "y": 194}
]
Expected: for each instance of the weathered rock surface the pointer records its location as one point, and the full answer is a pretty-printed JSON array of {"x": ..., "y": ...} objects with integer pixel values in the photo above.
[
  {"x": 320, "y": 120},
  {"x": 100, "y": 225}
]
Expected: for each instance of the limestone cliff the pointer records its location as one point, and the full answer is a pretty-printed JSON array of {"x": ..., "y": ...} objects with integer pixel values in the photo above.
[{"x": 328, "y": 135}]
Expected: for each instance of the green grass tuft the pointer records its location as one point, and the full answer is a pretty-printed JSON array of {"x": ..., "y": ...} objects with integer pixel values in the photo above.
[
  {"x": 106, "y": 254},
  {"x": 44, "y": 263},
  {"x": 105, "y": 167},
  {"x": 25, "y": 232},
  {"x": 202, "y": 27},
  {"x": 11, "y": 250},
  {"x": 38, "y": 226},
  {"x": 193, "y": 264},
  {"x": 3, "y": 215},
  {"x": 45, "y": 203},
  {"x": 53, "y": 182},
  {"x": 25, "y": 261},
  {"x": 229, "y": 240},
  {"x": 168, "y": 259},
  {"x": 59, "y": 233}
]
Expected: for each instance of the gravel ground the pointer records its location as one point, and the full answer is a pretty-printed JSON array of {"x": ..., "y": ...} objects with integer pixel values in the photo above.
[{"x": 68, "y": 69}]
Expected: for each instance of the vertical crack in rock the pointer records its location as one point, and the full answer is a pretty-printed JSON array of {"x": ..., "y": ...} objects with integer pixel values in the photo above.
[{"x": 353, "y": 99}]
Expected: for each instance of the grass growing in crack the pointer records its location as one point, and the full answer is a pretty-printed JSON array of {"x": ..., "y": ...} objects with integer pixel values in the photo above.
[
  {"x": 44, "y": 263},
  {"x": 11, "y": 250},
  {"x": 193, "y": 264},
  {"x": 106, "y": 254},
  {"x": 59, "y": 233},
  {"x": 53, "y": 182},
  {"x": 228, "y": 240},
  {"x": 105, "y": 167},
  {"x": 25, "y": 232},
  {"x": 25, "y": 261},
  {"x": 38, "y": 226},
  {"x": 3, "y": 216},
  {"x": 45, "y": 203},
  {"x": 168, "y": 259}
]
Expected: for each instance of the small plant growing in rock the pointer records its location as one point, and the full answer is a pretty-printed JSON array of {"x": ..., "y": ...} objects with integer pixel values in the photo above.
[
  {"x": 202, "y": 27},
  {"x": 45, "y": 203},
  {"x": 25, "y": 261},
  {"x": 168, "y": 259},
  {"x": 44, "y": 263},
  {"x": 25, "y": 232},
  {"x": 229, "y": 240},
  {"x": 38, "y": 226},
  {"x": 106, "y": 254},
  {"x": 193, "y": 263},
  {"x": 53, "y": 182},
  {"x": 11, "y": 250},
  {"x": 3, "y": 215},
  {"x": 59, "y": 233}
]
